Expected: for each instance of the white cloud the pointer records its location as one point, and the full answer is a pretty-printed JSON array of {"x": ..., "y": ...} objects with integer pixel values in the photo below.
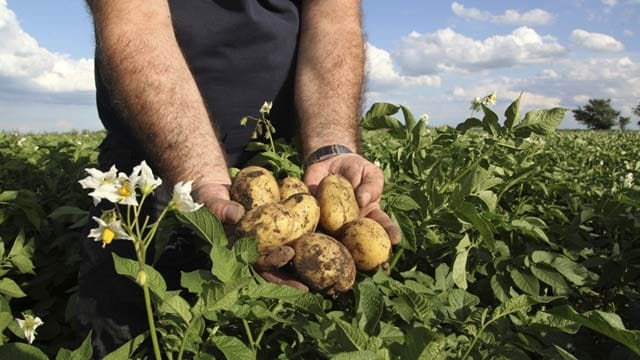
[
  {"x": 381, "y": 73},
  {"x": 579, "y": 99},
  {"x": 596, "y": 69},
  {"x": 458, "y": 91},
  {"x": 549, "y": 74},
  {"x": 628, "y": 32},
  {"x": 510, "y": 16},
  {"x": 596, "y": 41},
  {"x": 610, "y": 3},
  {"x": 28, "y": 67},
  {"x": 445, "y": 51}
]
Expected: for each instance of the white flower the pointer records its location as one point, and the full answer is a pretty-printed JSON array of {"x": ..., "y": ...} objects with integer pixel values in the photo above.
[
  {"x": 29, "y": 325},
  {"x": 103, "y": 183},
  {"x": 21, "y": 141},
  {"x": 108, "y": 230},
  {"x": 425, "y": 117},
  {"x": 266, "y": 107},
  {"x": 146, "y": 181},
  {"x": 126, "y": 189},
  {"x": 475, "y": 104},
  {"x": 490, "y": 99},
  {"x": 377, "y": 163},
  {"x": 627, "y": 181},
  {"x": 36, "y": 148},
  {"x": 601, "y": 163},
  {"x": 182, "y": 200}
]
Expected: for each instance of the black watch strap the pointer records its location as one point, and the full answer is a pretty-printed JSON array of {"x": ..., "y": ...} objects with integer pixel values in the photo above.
[{"x": 326, "y": 152}]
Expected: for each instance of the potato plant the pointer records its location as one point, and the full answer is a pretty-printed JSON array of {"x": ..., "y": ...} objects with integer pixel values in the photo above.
[{"x": 519, "y": 242}]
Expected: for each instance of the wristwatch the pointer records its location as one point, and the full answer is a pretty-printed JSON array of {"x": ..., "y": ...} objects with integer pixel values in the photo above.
[{"x": 326, "y": 152}]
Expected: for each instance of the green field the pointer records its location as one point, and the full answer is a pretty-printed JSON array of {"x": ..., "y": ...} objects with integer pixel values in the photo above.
[{"x": 520, "y": 242}]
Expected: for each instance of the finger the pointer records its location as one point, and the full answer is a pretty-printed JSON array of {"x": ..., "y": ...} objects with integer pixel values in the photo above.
[
  {"x": 395, "y": 235},
  {"x": 313, "y": 175},
  {"x": 229, "y": 212},
  {"x": 275, "y": 259},
  {"x": 281, "y": 278},
  {"x": 371, "y": 186}
]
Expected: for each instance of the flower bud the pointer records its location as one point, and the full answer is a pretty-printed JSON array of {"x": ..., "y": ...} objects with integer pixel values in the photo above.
[{"x": 141, "y": 277}]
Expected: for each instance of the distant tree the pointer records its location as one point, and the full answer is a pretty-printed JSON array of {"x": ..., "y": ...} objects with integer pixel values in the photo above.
[
  {"x": 597, "y": 114},
  {"x": 623, "y": 121},
  {"x": 637, "y": 112}
]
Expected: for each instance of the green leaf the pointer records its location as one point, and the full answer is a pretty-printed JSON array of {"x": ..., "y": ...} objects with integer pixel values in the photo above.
[
  {"x": 470, "y": 123},
  {"x": 574, "y": 272},
  {"x": 355, "y": 355},
  {"x": 225, "y": 265},
  {"x": 353, "y": 338},
  {"x": 85, "y": 351},
  {"x": 409, "y": 119},
  {"x": 130, "y": 268},
  {"x": 176, "y": 305},
  {"x": 489, "y": 198},
  {"x": 551, "y": 278},
  {"x": 459, "y": 272},
  {"x": 525, "y": 282},
  {"x": 564, "y": 354},
  {"x": 499, "y": 288},
  {"x": 306, "y": 301},
  {"x": 490, "y": 122},
  {"x": 608, "y": 324},
  {"x": 10, "y": 288},
  {"x": 407, "y": 227},
  {"x": 421, "y": 344},
  {"x": 512, "y": 114},
  {"x": 20, "y": 351},
  {"x": 467, "y": 212},
  {"x": 370, "y": 305},
  {"x": 7, "y": 196},
  {"x": 378, "y": 117},
  {"x": 126, "y": 350},
  {"x": 20, "y": 254},
  {"x": 542, "y": 122},
  {"x": 232, "y": 347},
  {"x": 518, "y": 303},
  {"x": 194, "y": 280}
]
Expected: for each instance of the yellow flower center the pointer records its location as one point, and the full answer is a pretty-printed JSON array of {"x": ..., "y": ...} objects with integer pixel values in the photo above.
[
  {"x": 124, "y": 190},
  {"x": 107, "y": 236}
]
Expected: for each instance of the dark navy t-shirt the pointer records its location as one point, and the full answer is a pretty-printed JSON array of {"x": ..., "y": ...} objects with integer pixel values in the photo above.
[{"x": 241, "y": 54}]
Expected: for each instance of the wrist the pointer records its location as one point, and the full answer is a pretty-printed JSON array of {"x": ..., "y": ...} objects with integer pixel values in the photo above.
[{"x": 326, "y": 152}]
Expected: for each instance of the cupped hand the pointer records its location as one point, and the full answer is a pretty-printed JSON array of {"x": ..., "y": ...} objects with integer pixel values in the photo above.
[{"x": 367, "y": 180}]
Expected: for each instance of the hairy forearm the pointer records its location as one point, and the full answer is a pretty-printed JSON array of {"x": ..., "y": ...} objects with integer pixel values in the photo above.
[
  {"x": 154, "y": 89},
  {"x": 330, "y": 73}
]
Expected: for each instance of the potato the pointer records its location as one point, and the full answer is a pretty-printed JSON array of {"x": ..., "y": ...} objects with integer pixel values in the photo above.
[
  {"x": 306, "y": 213},
  {"x": 254, "y": 186},
  {"x": 271, "y": 224},
  {"x": 367, "y": 242},
  {"x": 290, "y": 186},
  {"x": 323, "y": 263},
  {"x": 338, "y": 204}
]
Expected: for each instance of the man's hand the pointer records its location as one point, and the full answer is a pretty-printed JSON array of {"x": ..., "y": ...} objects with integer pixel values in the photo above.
[
  {"x": 269, "y": 266},
  {"x": 367, "y": 180},
  {"x": 215, "y": 196}
]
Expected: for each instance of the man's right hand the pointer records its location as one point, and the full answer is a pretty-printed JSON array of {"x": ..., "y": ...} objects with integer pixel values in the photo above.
[{"x": 215, "y": 196}]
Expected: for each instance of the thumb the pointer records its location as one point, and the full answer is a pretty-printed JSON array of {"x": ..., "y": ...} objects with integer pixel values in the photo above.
[{"x": 229, "y": 212}]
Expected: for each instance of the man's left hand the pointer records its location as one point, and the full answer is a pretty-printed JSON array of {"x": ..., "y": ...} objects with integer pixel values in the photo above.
[{"x": 367, "y": 180}]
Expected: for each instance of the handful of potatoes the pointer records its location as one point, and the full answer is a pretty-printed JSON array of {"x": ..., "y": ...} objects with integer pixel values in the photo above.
[{"x": 285, "y": 213}]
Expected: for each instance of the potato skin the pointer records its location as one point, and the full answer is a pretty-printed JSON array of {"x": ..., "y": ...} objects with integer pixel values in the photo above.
[
  {"x": 254, "y": 186},
  {"x": 367, "y": 242},
  {"x": 305, "y": 211},
  {"x": 323, "y": 263},
  {"x": 271, "y": 224},
  {"x": 338, "y": 204},
  {"x": 290, "y": 186}
]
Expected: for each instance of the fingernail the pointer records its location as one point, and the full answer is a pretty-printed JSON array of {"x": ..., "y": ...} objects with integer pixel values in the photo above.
[{"x": 233, "y": 213}]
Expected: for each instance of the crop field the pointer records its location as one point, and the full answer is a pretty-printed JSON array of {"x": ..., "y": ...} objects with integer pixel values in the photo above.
[{"x": 519, "y": 242}]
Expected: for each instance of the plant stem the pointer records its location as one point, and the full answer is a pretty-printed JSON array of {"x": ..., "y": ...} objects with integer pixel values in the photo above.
[
  {"x": 395, "y": 259},
  {"x": 249, "y": 335},
  {"x": 183, "y": 343},
  {"x": 152, "y": 325}
]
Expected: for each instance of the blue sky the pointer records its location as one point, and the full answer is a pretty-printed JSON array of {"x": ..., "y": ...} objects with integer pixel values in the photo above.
[{"x": 433, "y": 56}]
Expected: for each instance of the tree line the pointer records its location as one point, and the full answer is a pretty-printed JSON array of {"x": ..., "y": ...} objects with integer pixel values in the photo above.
[{"x": 598, "y": 114}]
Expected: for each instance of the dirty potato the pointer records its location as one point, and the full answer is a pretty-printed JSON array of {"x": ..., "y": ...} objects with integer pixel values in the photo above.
[
  {"x": 290, "y": 186},
  {"x": 323, "y": 263},
  {"x": 305, "y": 211},
  {"x": 338, "y": 204},
  {"x": 368, "y": 243},
  {"x": 271, "y": 224},
  {"x": 254, "y": 186}
]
